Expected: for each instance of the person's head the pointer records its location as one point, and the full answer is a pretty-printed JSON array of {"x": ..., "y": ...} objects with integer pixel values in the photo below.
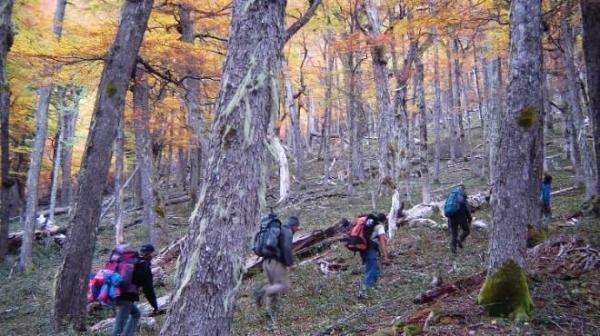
[
  {"x": 293, "y": 223},
  {"x": 547, "y": 179},
  {"x": 381, "y": 217},
  {"x": 147, "y": 251}
]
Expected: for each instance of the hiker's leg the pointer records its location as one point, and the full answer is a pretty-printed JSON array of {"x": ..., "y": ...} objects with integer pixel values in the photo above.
[
  {"x": 278, "y": 274},
  {"x": 123, "y": 311},
  {"x": 132, "y": 323},
  {"x": 453, "y": 233},
  {"x": 464, "y": 225},
  {"x": 371, "y": 268}
]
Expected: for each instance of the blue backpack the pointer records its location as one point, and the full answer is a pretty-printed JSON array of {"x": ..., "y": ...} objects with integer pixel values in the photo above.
[
  {"x": 453, "y": 202},
  {"x": 266, "y": 241}
]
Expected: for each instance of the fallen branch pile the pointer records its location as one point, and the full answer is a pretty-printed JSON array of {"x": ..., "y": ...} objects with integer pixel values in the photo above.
[{"x": 563, "y": 256}]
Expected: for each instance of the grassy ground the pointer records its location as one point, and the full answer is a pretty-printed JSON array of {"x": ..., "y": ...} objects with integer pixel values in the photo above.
[{"x": 328, "y": 305}]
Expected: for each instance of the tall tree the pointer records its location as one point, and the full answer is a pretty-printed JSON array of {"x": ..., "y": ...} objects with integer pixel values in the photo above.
[
  {"x": 494, "y": 108},
  {"x": 437, "y": 108},
  {"x": 590, "y": 12},
  {"x": 119, "y": 164},
  {"x": 143, "y": 151},
  {"x": 579, "y": 135},
  {"x": 212, "y": 261},
  {"x": 71, "y": 280},
  {"x": 424, "y": 157},
  {"x": 518, "y": 167},
  {"x": 6, "y": 40}
]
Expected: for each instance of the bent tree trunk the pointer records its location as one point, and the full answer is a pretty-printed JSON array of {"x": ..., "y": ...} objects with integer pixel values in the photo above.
[
  {"x": 212, "y": 261},
  {"x": 590, "y": 12},
  {"x": 518, "y": 168},
  {"x": 6, "y": 39},
  {"x": 71, "y": 280}
]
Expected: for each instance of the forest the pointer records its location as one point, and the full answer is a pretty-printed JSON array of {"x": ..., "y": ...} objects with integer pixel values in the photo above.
[{"x": 150, "y": 150}]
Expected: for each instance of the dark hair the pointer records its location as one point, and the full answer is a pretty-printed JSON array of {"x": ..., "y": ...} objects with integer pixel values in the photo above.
[
  {"x": 147, "y": 248},
  {"x": 293, "y": 221},
  {"x": 548, "y": 179},
  {"x": 381, "y": 217}
]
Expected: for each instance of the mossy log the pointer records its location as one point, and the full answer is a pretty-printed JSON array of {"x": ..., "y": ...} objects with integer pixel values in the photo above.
[{"x": 505, "y": 293}]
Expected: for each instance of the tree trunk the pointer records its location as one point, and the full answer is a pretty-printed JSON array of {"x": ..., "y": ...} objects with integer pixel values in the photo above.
[
  {"x": 494, "y": 110},
  {"x": 453, "y": 133},
  {"x": 356, "y": 170},
  {"x": 326, "y": 130},
  {"x": 56, "y": 164},
  {"x": 59, "y": 17},
  {"x": 457, "y": 98},
  {"x": 420, "y": 91},
  {"x": 386, "y": 119},
  {"x": 295, "y": 126},
  {"x": 6, "y": 39},
  {"x": 35, "y": 165},
  {"x": 518, "y": 168},
  {"x": 574, "y": 100},
  {"x": 211, "y": 265},
  {"x": 119, "y": 162},
  {"x": 72, "y": 277},
  {"x": 70, "y": 121},
  {"x": 143, "y": 151},
  {"x": 192, "y": 106},
  {"x": 590, "y": 12},
  {"x": 437, "y": 109}
]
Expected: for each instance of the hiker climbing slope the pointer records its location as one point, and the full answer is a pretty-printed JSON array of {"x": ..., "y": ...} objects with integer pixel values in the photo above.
[{"x": 458, "y": 214}]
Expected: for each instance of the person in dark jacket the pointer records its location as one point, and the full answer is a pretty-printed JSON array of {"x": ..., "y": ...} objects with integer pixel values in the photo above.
[
  {"x": 545, "y": 194},
  {"x": 276, "y": 269},
  {"x": 128, "y": 314},
  {"x": 377, "y": 246},
  {"x": 462, "y": 218}
]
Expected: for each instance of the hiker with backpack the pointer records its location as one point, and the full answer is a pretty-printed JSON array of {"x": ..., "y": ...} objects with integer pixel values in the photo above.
[
  {"x": 368, "y": 237},
  {"x": 457, "y": 211},
  {"x": 136, "y": 271},
  {"x": 274, "y": 244}
]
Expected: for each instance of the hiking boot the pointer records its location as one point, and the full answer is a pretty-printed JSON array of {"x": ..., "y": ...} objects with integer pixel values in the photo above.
[
  {"x": 259, "y": 294},
  {"x": 460, "y": 244},
  {"x": 453, "y": 249}
]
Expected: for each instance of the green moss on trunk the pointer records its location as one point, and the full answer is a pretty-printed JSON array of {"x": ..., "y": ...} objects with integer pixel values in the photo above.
[{"x": 505, "y": 293}]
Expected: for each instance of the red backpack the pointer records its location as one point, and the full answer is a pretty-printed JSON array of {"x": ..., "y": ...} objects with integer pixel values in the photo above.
[
  {"x": 358, "y": 240},
  {"x": 122, "y": 261}
]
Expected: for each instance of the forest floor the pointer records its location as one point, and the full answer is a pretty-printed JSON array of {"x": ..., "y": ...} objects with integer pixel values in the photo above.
[{"x": 318, "y": 304}]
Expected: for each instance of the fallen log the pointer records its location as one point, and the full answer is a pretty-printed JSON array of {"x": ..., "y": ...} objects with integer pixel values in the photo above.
[
  {"x": 563, "y": 191},
  {"x": 15, "y": 239},
  {"x": 437, "y": 292}
]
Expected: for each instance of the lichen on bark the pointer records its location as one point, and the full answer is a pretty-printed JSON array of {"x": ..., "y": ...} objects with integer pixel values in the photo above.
[{"x": 505, "y": 293}]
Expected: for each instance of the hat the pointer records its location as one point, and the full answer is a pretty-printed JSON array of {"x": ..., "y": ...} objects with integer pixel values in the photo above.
[
  {"x": 292, "y": 221},
  {"x": 147, "y": 248}
]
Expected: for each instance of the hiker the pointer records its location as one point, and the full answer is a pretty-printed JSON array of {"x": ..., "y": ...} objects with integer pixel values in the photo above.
[
  {"x": 376, "y": 246},
  {"x": 545, "y": 199},
  {"x": 128, "y": 314},
  {"x": 276, "y": 268},
  {"x": 457, "y": 211}
]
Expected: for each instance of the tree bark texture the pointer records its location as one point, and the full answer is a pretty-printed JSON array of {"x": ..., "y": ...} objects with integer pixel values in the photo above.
[
  {"x": 575, "y": 108},
  {"x": 326, "y": 129},
  {"x": 192, "y": 106},
  {"x": 119, "y": 165},
  {"x": 494, "y": 109},
  {"x": 590, "y": 12},
  {"x": 143, "y": 153},
  {"x": 356, "y": 171},
  {"x": 437, "y": 109},
  {"x": 380, "y": 73},
  {"x": 453, "y": 133},
  {"x": 211, "y": 266},
  {"x": 35, "y": 165},
  {"x": 424, "y": 159},
  {"x": 72, "y": 276},
  {"x": 59, "y": 17},
  {"x": 457, "y": 97},
  {"x": 6, "y": 39},
  {"x": 518, "y": 163},
  {"x": 58, "y": 148},
  {"x": 70, "y": 121},
  {"x": 297, "y": 142}
]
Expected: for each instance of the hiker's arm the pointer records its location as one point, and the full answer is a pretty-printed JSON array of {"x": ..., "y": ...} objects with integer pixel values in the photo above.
[
  {"x": 148, "y": 287},
  {"x": 286, "y": 248},
  {"x": 383, "y": 248}
]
